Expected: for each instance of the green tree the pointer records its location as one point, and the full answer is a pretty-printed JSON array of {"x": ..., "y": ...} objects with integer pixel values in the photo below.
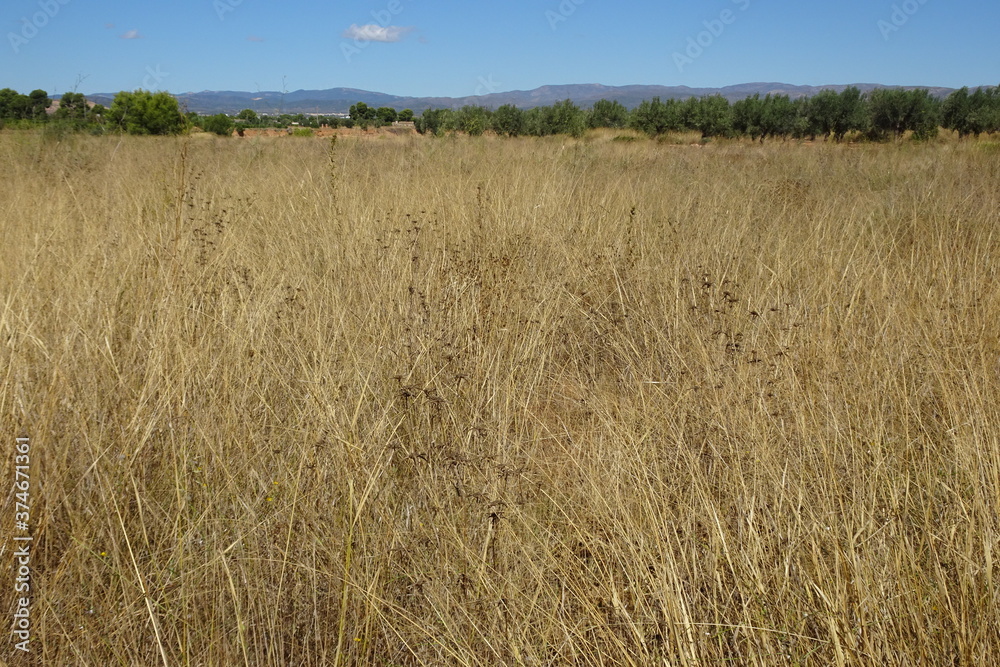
[
  {"x": 7, "y": 96},
  {"x": 836, "y": 114},
  {"x": 14, "y": 105},
  {"x": 606, "y": 113},
  {"x": 654, "y": 117},
  {"x": 894, "y": 112},
  {"x": 473, "y": 120},
  {"x": 533, "y": 122},
  {"x": 955, "y": 112},
  {"x": 779, "y": 116},
  {"x": 822, "y": 113},
  {"x": 247, "y": 115},
  {"x": 979, "y": 112},
  {"x": 508, "y": 120},
  {"x": 887, "y": 113},
  {"x": 96, "y": 120},
  {"x": 386, "y": 115},
  {"x": 11, "y": 104},
  {"x": 38, "y": 102},
  {"x": 72, "y": 106},
  {"x": 987, "y": 117},
  {"x": 925, "y": 114},
  {"x": 850, "y": 113},
  {"x": 406, "y": 116},
  {"x": 143, "y": 112},
  {"x": 433, "y": 121},
  {"x": 566, "y": 118},
  {"x": 971, "y": 114},
  {"x": 748, "y": 117},
  {"x": 711, "y": 115},
  {"x": 358, "y": 111},
  {"x": 72, "y": 115},
  {"x": 219, "y": 124},
  {"x": 801, "y": 125},
  {"x": 363, "y": 115},
  {"x": 688, "y": 113}
]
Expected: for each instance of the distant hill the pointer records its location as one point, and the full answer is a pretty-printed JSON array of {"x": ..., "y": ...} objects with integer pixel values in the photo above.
[{"x": 339, "y": 100}]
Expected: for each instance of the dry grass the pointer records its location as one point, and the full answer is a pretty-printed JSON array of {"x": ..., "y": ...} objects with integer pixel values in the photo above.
[{"x": 483, "y": 402}]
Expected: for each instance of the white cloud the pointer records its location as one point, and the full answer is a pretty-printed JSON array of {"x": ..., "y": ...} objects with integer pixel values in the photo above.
[
  {"x": 376, "y": 33},
  {"x": 132, "y": 34}
]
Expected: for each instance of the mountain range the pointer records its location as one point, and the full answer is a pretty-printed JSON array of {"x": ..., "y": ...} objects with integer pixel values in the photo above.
[{"x": 339, "y": 100}]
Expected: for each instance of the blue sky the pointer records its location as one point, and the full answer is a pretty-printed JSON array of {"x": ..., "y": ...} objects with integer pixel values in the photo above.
[{"x": 451, "y": 48}]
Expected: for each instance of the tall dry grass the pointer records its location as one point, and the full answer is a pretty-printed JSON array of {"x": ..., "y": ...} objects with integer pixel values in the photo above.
[{"x": 483, "y": 402}]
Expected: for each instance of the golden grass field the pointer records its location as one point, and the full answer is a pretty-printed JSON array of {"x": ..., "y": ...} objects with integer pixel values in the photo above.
[{"x": 462, "y": 401}]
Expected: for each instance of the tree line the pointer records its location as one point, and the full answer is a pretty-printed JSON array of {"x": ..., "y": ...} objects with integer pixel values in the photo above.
[
  {"x": 136, "y": 112},
  {"x": 139, "y": 112},
  {"x": 880, "y": 115}
]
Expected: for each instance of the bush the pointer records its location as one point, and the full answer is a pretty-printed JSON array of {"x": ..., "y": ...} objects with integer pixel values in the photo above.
[
  {"x": 219, "y": 124},
  {"x": 143, "y": 112},
  {"x": 508, "y": 120}
]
